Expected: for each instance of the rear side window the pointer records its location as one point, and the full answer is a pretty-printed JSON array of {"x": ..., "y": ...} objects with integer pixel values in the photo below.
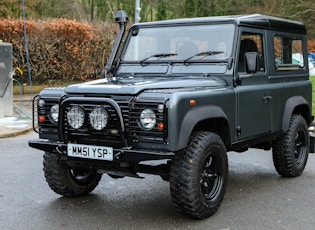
[{"x": 288, "y": 53}]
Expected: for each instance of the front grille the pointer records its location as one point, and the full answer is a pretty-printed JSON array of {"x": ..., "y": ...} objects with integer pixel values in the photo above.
[
  {"x": 87, "y": 135},
  {"x": 47, "y": 125},
  {"x": 149, "y": 136},
  {"x": 130, "y": 109}
]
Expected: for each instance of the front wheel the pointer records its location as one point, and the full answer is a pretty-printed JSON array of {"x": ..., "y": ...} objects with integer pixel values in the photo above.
[
  {"x": 290, "y": 151},
  {"x": 67, "y": 181},
  {"x": 198, "y": 176}
]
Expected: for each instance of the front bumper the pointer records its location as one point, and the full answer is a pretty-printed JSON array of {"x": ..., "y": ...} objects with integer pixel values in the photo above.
[{"x": 123, "y": 154}]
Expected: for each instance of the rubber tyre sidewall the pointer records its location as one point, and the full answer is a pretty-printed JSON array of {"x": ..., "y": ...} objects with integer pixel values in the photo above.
[
  {"x": 61, "y": 180},
  {"x": 283, "y": 152},
  {"x": 185, "y": 174}
]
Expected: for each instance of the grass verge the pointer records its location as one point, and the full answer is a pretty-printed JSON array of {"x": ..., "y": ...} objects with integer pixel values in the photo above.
[{"x": 313, "y": 94}]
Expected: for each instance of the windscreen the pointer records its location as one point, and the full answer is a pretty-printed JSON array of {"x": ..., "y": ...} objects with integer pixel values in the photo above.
[{"x": 179, "y": 43}]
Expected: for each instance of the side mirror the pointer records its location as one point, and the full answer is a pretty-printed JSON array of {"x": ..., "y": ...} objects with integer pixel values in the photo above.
[{"x": 251, "y": 62}]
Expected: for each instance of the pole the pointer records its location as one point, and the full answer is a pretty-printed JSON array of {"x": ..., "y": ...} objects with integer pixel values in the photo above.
[
  {"x": 137, "y": 11},
  {"x": 92, "y": 11}
]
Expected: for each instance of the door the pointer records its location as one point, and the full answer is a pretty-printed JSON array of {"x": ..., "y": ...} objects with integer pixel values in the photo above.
[{"x": 253, "y": 93}]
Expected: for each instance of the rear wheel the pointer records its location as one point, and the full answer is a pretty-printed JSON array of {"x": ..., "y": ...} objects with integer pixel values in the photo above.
[
  {"x": 198, "y": 176},
  {"x": 290, "y": 151},
  {"x": 67, "y": 181}
]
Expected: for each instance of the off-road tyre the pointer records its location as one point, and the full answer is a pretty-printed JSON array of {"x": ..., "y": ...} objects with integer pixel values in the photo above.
[
  {"x": 198, "y": 176},
  {"x": 290, "y": 151},
  {"x": 66, "y": 181}
]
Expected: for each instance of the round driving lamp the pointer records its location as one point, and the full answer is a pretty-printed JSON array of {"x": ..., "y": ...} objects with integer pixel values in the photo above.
[
  {"x": 75, "y": 117},
  {"x": 147, "y": 119},
  {"x": 98, "y": 118},
  {"x": 54, "y": 113}
]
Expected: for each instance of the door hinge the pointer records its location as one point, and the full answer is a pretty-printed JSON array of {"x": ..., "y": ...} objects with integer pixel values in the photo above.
[{"x": 239, "y": 130}]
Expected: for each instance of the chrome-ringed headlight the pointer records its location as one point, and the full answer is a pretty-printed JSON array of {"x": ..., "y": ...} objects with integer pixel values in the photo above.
[
  {"x": 98, "y": 118},
  {"x": 75, "y": 117},
  {"x": 147, "y": 119},
  {"x": 54, "y": 113}
]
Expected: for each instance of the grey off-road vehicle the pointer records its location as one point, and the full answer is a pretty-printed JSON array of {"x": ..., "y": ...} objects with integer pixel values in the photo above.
[{"x": 174, "y": 97}]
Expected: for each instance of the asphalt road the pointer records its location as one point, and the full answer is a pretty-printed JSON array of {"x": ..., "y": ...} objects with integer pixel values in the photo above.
[{"x": 257, "y": 198}]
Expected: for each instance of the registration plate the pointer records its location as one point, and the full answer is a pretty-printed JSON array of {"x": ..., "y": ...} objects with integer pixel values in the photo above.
[{"x": 90, "y": 152}]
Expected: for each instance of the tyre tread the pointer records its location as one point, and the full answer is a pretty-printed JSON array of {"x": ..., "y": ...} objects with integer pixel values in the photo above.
[
  {"x": 283, "y": 158},
  {"x": 185, "y": 193},
  {"x": 59, "y": 178}
]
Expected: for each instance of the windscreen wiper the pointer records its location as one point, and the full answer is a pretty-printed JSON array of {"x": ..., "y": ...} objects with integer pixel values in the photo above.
[
  {"x": 161, "y": 55},
  {"x": 204, "y": 54}
]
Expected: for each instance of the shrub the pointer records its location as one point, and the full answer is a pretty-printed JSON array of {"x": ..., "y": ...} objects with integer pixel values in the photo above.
[
  {"x": 59, "y": 50},
  {"x": 311, "y": 46}
]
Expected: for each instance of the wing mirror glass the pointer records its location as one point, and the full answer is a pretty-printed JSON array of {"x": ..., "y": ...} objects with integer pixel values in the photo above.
[{"x": 251, "y": 62}]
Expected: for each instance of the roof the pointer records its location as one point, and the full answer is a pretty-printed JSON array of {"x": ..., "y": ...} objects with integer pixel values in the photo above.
[{"x": 252, "y": 20}]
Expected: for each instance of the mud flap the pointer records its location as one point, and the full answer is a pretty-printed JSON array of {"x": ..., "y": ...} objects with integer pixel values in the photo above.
[{"x": 312, "y": 142}]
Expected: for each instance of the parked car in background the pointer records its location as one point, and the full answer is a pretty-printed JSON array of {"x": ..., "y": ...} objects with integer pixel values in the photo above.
[
  {"x": 311, "y": 63},
  {"x": 311, "y": 57}
]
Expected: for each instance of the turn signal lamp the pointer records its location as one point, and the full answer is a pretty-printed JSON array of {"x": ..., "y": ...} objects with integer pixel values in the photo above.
[
  {"x": 160, "y": 126},
  {"x": 41, "y": 119},
  {"x": 192, "y": 102}
]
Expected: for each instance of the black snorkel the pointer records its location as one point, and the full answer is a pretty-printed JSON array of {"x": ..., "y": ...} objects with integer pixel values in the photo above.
[{"x": 121, "y": 18}]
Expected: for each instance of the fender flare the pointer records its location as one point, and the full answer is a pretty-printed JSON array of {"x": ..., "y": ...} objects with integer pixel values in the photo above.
[
  {"x": 289, "y": 107},
  {"x": 193, "y": 117}
]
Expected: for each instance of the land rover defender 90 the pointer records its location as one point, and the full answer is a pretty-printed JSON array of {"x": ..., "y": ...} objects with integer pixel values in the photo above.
[{"x": 182, "y": 93}]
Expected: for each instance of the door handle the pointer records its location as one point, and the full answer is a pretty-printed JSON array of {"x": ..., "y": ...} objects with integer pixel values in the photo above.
[{"x": 267, "y": 98}]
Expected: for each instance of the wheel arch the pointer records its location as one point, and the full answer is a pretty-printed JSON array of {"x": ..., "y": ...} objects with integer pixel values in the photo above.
[
  {"x": 295, "y": 105},
  {"x": 206, "y": 118}
]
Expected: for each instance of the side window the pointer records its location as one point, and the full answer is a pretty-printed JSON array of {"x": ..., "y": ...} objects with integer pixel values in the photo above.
[
  {"x": 251, "y": 42},
  {"x": 288, "y": 53}
]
